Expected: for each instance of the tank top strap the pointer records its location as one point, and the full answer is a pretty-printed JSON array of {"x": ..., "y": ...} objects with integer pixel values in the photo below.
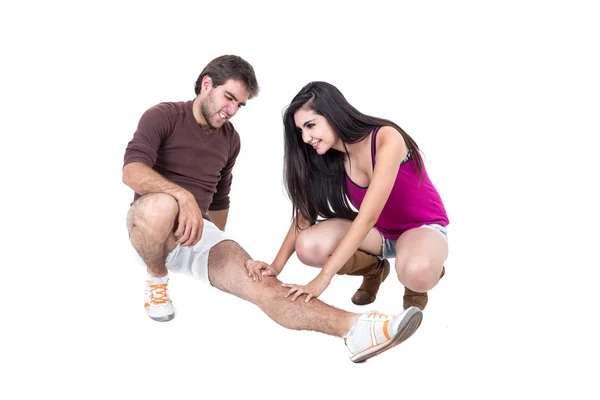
[{"x": 373, "y": 137}]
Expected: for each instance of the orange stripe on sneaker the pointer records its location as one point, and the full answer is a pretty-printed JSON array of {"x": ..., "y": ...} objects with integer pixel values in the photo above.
[{"x": 385, "y": 330}]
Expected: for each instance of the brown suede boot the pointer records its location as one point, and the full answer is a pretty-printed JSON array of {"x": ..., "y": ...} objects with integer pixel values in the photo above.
[
  {"x": 373, "y": 271},
  {"x": 416, "y": 299}
]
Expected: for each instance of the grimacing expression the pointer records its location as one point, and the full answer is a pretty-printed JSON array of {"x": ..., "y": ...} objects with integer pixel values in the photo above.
[
  {"x": 315, "y": 130},
  {"x": 223, "y": 102}
]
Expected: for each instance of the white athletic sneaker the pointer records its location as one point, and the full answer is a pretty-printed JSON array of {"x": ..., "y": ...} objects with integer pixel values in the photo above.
[
  {"x": 158, "y": 304},
  {"x": 373, "y": 333}
]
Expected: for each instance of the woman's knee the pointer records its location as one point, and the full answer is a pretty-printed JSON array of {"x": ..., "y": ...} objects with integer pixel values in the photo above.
[
  {"x": 419, "y": 274},
  {"x": 309, "y": 249}
]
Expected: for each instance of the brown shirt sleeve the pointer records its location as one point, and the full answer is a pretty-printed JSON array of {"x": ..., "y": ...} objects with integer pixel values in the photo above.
[
  {"x": 153, "y": 128},
  {"x": 221, "y": 198}
]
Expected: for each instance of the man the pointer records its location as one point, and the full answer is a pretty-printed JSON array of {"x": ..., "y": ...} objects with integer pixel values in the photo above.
[{"x": 179, "y": 164}]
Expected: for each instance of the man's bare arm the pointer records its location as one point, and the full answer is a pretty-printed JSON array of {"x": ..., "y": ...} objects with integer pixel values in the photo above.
[{"x": 143, "y": 180}]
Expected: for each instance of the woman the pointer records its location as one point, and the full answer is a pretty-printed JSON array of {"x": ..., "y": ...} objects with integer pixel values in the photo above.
[{"x": 338, "y": 160}]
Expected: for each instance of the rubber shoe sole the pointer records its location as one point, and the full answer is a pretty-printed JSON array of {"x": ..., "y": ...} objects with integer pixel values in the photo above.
[{"x": 165, "y": 318}]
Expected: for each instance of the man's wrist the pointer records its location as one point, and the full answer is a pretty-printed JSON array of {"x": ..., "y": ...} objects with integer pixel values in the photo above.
[{"x": 181, "y": 195}]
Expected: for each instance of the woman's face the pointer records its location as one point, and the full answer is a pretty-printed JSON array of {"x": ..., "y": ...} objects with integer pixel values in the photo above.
[{"x": 316, "y": 131}]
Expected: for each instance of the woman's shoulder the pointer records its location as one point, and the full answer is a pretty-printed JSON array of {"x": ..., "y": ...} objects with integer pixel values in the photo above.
[{"x": 389, "y": 136}]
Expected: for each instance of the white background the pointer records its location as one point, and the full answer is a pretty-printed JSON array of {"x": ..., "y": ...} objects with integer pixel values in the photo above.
[{"x": 503, "y": 98}]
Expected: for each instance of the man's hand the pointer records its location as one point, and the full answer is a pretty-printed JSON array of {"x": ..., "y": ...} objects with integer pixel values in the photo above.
[
  {"x": 258, "y": 269},
  {"x": 190, "y": 222}
]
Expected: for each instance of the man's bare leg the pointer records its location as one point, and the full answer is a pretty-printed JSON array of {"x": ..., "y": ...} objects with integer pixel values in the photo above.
[
  {"x": 150, "y": 224},
  {"x": 226, "y": 272}
]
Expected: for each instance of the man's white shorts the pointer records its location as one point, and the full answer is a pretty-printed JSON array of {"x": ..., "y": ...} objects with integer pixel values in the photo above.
[{"x": 193, "y": 261}]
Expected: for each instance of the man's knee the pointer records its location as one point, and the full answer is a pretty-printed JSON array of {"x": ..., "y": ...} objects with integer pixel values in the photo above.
[
  {"x": 154, "y": 213},
  {"x": 226, "y": 265},
  {"x": 225, "y": 253},
  {"x": 227, "y": 272},
  {"x": 263, "y": 292}
]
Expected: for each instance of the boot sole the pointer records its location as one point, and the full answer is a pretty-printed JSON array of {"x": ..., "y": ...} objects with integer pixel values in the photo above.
[{"x": 409, "y": 325}]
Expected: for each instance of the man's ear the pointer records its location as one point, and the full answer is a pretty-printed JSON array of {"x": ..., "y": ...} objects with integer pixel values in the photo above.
[{"x": 207, "y": 82}]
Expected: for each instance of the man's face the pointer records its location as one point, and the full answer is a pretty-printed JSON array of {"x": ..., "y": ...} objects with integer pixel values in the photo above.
[{"x": 221, "y": 103}]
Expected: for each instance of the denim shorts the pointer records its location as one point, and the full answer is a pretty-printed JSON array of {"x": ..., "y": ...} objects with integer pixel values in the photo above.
[{"x": 388, "y": 247}]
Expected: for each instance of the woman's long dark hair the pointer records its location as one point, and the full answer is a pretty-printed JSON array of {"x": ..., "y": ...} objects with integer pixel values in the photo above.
[{"x": 316, "y": 183}]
